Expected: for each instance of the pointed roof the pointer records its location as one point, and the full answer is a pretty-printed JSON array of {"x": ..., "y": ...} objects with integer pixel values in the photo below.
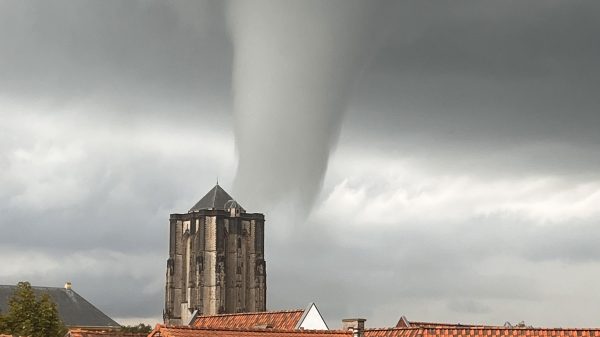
[
  {"x": 74, "y": 310},
  {"x": 216, "y": 198},
  {"x": 311, "y": 319}
]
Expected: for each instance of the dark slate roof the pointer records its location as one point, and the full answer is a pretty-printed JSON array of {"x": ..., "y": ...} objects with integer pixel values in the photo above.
[
  {"x": 73, "y": 309},
  {"x": 216, "y": 198}
]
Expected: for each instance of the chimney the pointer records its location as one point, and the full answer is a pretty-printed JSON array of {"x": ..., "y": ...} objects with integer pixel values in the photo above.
[
  {"x": 68, "y": 285},
  {"x": 356, "y": 325}
]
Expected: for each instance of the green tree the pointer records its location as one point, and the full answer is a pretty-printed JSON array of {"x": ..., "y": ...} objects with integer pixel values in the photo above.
[
  {"x": 2, "y": 323},
  {"x": 29, "y": 316},
  {"x": 49, "y": 323},
  {"x": 140, "y": 328}
]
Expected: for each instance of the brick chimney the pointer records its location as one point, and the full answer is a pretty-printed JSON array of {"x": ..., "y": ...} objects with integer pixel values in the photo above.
[{"x": 356, "y": 325}]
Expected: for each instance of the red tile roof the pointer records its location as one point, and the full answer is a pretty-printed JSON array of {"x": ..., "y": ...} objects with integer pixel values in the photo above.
[
  {"x": 502, "y": 331},
  {"x": 92, "y": 333},
  {"x": 472, "y": 331},
  {"x": 393, "y": 332},
  {"x": 280, "y": 320},
  {"x": 188, "y": 331},
  {"x": 169, "y": 331}
]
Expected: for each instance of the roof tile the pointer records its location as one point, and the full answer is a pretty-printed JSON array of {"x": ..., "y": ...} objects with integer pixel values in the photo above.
[
  {"x": 280, "y": 320},
  {"x": 187, "y": 331},
  {"x": 216, "y": 198}
]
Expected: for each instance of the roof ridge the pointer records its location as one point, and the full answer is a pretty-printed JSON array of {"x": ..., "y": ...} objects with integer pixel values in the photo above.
[
  {"x": 32, "y": 286},
  {"x": 96, "y": 309},
  {"x": 253, "y": 313},
  {"x": 425, "y": 322},
  {"x": 394, "y": 328},
  {"x": 209, "y": 200},
  {"x": 215, "y": 195}
]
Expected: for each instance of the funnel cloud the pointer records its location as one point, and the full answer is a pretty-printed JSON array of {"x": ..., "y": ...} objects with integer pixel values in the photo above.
[{"x": 295, "y": 63}]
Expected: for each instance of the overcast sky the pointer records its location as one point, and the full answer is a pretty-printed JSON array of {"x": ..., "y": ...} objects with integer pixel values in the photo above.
[{"x": 464, "y": 186}]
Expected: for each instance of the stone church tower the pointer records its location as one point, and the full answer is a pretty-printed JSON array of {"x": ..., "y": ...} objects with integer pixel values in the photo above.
[{"x": 216, "y": 260}]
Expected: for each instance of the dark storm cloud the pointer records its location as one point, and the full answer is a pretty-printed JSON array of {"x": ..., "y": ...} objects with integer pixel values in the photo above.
[
  {"x": 133, "y": 57},
  {"x": 498, "y": 74},
  {"x": 502, "y": 40},
  {"x": 119, "y": 50}
]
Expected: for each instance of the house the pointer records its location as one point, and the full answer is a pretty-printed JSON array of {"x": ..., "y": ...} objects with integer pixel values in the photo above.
[
  {"x": 74, "y": 310},
  {"x": 309, "y": 319}
]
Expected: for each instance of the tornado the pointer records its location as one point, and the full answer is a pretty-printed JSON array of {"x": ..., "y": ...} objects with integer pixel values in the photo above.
[{"x": 295, "y": 65}]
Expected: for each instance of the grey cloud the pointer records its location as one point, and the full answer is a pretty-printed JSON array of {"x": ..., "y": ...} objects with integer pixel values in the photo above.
[
  {"x": 118, "y": 50},
  {"x": 500, "y": 41},
  {"x": 469, "y": 306},
  {"x": 119, "y": 284},
  {"x": 483, "y": 78},
  {"x": 123, "y": 204},
  {"x": 479, "y": 269}
]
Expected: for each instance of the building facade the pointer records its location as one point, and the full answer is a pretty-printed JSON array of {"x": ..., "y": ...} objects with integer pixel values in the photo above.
[{"x": 216, "y": 260}]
